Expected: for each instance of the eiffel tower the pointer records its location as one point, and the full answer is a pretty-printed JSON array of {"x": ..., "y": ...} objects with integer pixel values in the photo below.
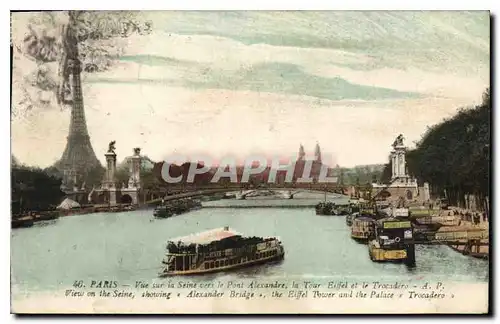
[{"x": 79, "y": 157}]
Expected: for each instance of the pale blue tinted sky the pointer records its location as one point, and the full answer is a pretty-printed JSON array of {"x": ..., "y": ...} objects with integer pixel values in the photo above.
[{"x": 246, "y": 82}]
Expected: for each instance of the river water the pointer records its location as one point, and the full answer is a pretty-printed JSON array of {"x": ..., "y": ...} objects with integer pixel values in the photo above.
[{"x": 130, "y": 246}]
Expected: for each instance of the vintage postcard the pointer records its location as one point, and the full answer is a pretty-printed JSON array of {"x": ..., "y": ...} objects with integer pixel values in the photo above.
[{"x": 250, "y": 162}]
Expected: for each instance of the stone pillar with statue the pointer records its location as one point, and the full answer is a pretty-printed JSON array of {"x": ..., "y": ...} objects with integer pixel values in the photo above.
[
  {"x": 109, "y": 182},
  {"x": 134, "y": 182},
  {"x": 399, "y": 160},
  {"x": 401, "y": 185},
  {"x": 135, "y": 169}
]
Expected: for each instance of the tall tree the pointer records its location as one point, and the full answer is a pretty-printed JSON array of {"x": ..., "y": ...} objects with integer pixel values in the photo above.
[
  {"x": 51, "y": 37},
  {"x": 59, "y": 48},
  {"x": 454, "y": 156},
  {"x": 387, "y": 172},
  {"x": 34, "y": 189}
]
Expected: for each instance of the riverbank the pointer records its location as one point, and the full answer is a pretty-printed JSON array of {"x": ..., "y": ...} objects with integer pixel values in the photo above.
[
  {"x": 477, "y": 248},
  {"x": 31, "y": 218},
  {"x": 97, "y": 209},
  {"x": 260, "y": 206}
]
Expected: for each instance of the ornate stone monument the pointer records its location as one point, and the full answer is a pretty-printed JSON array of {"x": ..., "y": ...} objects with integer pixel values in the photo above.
[
  {"x": 109, "y": 182},
  {"x": 398, "y": 160},
  {"x": 125, "y": 193},
  {"x": 135, "y": 169},
  {"x": 402, "y": 185}
]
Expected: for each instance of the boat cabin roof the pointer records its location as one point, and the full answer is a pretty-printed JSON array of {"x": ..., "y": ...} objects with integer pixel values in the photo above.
[
  {"x": 206, "y": 237},
  {"x": 393, "y": 223},
  {"x": 364, "y": 218}
]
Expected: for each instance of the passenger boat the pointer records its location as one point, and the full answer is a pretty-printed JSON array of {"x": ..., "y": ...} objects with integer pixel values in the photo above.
[
  {"x": 393, "y": 241},
  {"x": 363, "y": 228},
  {"x": 220, "y": 249}
]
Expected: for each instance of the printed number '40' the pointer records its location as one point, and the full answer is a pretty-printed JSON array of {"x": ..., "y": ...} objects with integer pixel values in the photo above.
[{"x": 78, "y": 284}]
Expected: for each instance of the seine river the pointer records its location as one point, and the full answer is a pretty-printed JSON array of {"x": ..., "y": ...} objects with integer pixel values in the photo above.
[{"x": 130, "y": 246}]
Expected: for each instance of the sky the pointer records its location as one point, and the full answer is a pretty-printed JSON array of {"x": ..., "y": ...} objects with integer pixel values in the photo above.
[{"x": 259, "y": 82}]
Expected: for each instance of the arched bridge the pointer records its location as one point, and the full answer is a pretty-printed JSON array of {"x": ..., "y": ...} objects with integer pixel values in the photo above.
[
  {"x": 240, "y": 193},
  {"x": 287, "y": 194}
]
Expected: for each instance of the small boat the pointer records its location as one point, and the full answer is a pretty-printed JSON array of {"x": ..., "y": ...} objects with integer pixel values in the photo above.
[
  {"x": 325, "y": 208},
  {"x": 229, "y": 195},
  {"x": 23, "y": 221},
  {"x": 163, "y": 212},
  {"x": 354, "y": 209},
  {"x": 176, "y": 207},
  {"x": 196, "y": 204},
  {"x": 477, "y": 248},
  {"x": 331, "y": 209},
  {"x": 219, "y": 249},
  {"x": 352, "y": 214},
  {"x": 393, "y": 241},
  {"x": 45, "y": 216},
  {"x": 343, "y": 210},
  {"x": 349, "y": 218},
  {"x": 129, "y": 208}
]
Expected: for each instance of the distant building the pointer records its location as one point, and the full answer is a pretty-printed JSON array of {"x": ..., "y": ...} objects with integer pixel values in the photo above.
[
  {"x": 301, "y": 163},
  {"x": 145, "y": 163},
  {"x": 317, "y": 153},
  {"x": 302, "y": 153},
  {"x": 112, "y": 193}
]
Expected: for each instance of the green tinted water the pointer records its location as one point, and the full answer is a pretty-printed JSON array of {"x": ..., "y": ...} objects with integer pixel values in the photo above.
[{"x": 130, "y": 246}]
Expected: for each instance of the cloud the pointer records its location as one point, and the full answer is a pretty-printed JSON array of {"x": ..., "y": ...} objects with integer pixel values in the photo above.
[
  {"x": 239, "y": 82},
  {"x": 262, "y": 77},
  {"x": 224, "y": 122},
  {"x": 411, "y": 80},
  {"x": 214, "y": 61},
  {"x": 438, "y": 39}
]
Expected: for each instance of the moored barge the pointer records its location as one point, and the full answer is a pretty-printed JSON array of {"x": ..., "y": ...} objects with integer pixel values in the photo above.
[
  {"x": 23, "y": 221},
  {"x": 163, "y": 212},
  {"x": 216, "y": 250},
  {"x": 393, "y": 241},
  {"x": 176, "y": 207},
  {"x": 332, "y": 209}
]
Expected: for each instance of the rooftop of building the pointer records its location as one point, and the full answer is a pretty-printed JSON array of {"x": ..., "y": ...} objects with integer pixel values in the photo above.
[{"x": 206, "y": 237}]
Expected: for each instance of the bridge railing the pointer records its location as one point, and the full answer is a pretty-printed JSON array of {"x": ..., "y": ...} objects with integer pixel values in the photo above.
[{"x": 247, "y": 186}]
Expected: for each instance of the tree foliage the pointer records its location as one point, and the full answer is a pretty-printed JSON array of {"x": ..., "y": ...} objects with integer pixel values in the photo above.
[
  {"x": 387, "y": 172},
  {"x": 39, "y": 49},
  {"x": 454, "y": 156},
  {"x": 34, "y": 189}
]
